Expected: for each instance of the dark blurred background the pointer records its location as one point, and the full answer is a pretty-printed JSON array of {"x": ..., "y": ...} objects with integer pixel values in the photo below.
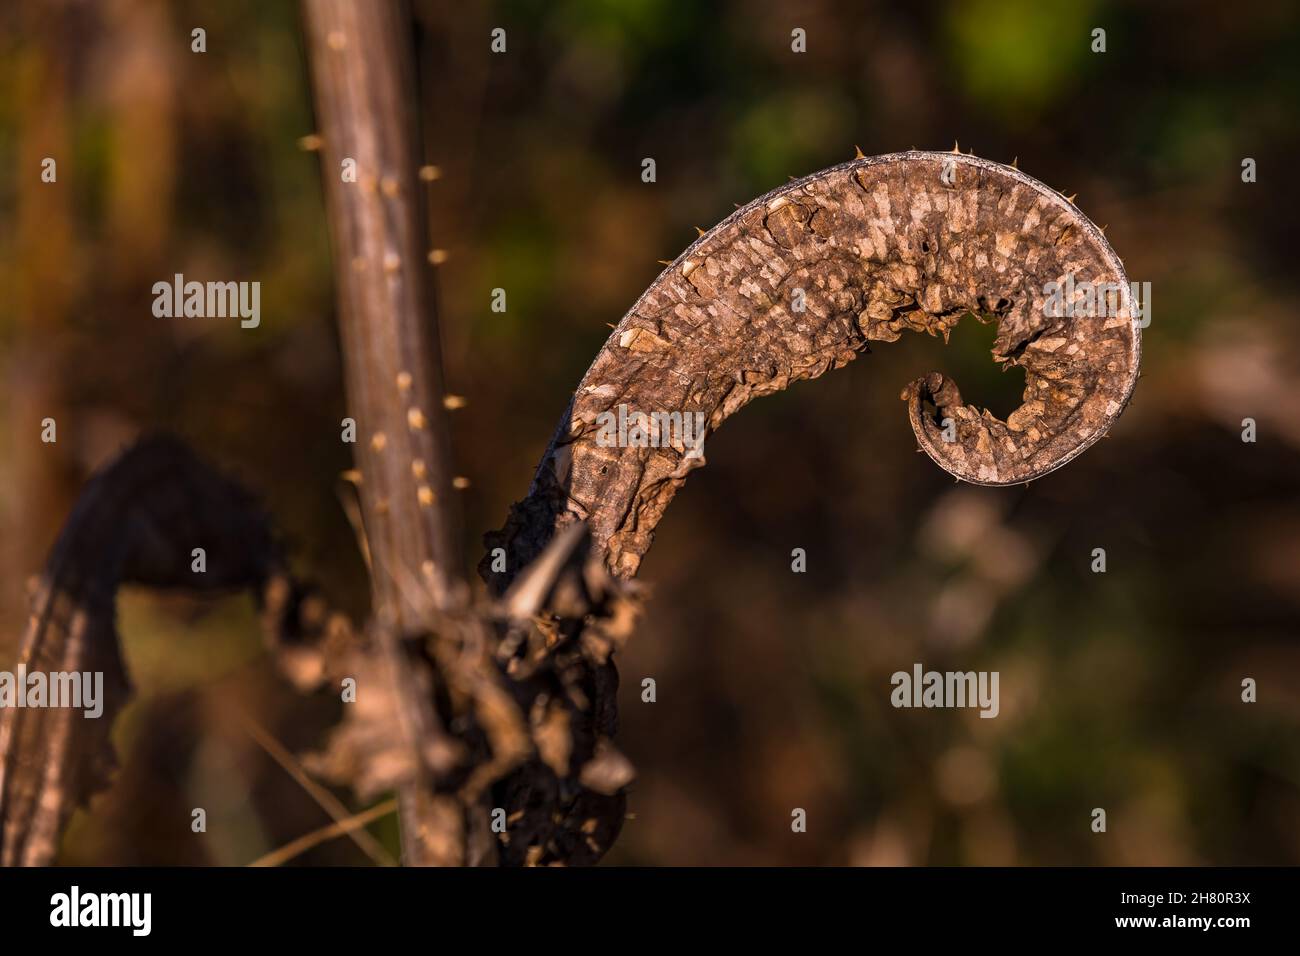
[{"x": 1118, "y": 690}]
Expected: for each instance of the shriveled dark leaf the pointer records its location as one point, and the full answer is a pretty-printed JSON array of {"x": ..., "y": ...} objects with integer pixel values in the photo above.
[
  {"x": 525, "y": 700},
  {"x": 138, "y": 521}
]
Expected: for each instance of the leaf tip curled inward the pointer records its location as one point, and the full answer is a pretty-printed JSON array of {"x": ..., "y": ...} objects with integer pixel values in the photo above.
[{"x": 799, "y": 282}]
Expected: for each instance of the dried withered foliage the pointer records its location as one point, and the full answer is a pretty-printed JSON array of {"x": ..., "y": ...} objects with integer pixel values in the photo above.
[
  {"x": 511, "y": 703},
  {"x": 800, "y": 282},
  {"x": 508, "y": 704},
  {"x": 136, "y": 522},
  {"x": 523, "y": 695}
]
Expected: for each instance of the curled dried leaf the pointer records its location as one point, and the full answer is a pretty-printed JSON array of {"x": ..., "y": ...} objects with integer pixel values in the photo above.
[
  {"x": 797, "y": 283},
  {"x": 137, "y": 521}
]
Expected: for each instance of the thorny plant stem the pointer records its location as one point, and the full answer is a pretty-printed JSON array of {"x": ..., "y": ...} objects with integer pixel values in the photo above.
[{"x": 363, "y": 80}]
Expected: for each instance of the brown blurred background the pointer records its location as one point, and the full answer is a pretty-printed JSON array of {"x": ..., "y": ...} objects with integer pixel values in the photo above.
[{"x": 1118, "y": 690}]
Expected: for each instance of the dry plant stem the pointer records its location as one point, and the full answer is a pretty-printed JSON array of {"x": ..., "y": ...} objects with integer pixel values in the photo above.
[
  {"x": 326, "y": 800},
  {"x": 872, "y": 248},
  {"x": 362, "y": 77},
  {"x": 338, "y": 828},
  {"x": 363, "y": 81}
]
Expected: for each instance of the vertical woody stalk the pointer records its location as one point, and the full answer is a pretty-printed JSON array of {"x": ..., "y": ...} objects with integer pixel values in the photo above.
[{"x": 364, "y": 85}]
